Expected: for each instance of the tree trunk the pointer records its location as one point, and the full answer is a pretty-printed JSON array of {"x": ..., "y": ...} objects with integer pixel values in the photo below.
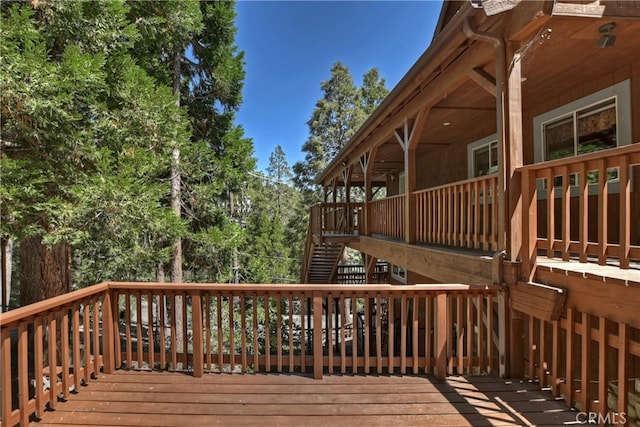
[
  {"x": 45, "y": 272},
  {"x": 7, "y": 258},
  {"x": 176, "y": 205}
]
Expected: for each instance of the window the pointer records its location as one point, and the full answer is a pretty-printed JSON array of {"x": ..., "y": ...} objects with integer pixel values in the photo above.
[
  {"x": 583, "y": 131},
  {"x": 596, "y": 122},
  {"x": 482, "y": 157},
  {"x": 399, "y": 273}
]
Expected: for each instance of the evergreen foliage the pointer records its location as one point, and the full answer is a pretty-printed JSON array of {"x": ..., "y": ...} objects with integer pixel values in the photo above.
[
  {"x": 335, "y": 119},
  {"x": 104, "y": 104}
]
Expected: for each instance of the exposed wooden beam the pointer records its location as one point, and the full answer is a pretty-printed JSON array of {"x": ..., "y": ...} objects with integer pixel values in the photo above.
[
  {"x": 429, "y": 262},
  {"x": 446, "y": 82},
  {"x": 526, "y": 18},
  {"x": 588, "y": 10},
  {"x": 485, "y": 80}
]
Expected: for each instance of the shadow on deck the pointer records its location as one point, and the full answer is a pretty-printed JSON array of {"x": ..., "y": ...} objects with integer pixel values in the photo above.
[{"x": 128, "y": 398}]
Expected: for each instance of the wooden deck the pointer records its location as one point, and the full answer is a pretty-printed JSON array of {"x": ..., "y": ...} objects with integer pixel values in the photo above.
[{"x": 173, "y": 399}]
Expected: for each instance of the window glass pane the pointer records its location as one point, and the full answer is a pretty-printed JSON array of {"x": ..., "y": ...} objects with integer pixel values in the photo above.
[
  {"x": 481, "y": 161},
  {"x": 558, "y": 139},
  {"x": 494, "y": 157},
  {"x": 597, "y": 128}
]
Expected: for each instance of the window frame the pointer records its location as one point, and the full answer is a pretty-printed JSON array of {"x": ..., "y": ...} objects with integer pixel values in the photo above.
[
  {"x": 395, "y": 273},
  {"x": 620, "y": 92},
  {"x": 478, "y": 145}
]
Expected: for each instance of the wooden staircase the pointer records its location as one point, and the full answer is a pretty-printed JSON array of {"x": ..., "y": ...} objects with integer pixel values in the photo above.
[
  {"x": 324, "y": 261},
  {"x": 331, "y": 226}
]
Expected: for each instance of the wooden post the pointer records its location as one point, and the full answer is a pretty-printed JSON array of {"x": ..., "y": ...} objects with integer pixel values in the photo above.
[
  {"x": 198, "y": 347},
  {"x": 409, "y": 142},
  {"x": 366, "y": 163},
  {"x": 514, "y": 159},
  {"x": 441, "y": 336},
  {"x": 317, "y": 337}
]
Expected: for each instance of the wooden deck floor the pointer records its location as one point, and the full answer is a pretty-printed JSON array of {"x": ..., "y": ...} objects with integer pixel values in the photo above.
[{"x": 174, "y": 399}]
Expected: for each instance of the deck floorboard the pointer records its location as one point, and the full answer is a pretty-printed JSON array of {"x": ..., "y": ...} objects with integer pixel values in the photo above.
[{"x": 128, "y": 398}]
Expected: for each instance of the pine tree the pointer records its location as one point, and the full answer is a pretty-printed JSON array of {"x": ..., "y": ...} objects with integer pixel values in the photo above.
[
  {"x": 85, "y": 135},
  {"x": 335, "y": 119}
]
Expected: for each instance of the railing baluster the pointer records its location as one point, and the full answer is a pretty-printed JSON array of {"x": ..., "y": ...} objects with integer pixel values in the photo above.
[
  {"x": 232, "y": 332},
  {"x": 303, "y": 334},
  {"x": 379, "y": 333},
  {"x": 551, "y": 216},
  {"x": 484, "y": 239},
  {"x": 490, "y": 340},
  {"x": 5, "y": 365},
  {"x": 23, "y": 373},
  {"x": 64, "y": 352},
  {"x": 151, "y": 348},
  {"x": 391, "y": 319},
  {"x": 256, "y": 353},
  {"x": 140, "y": 342},
  {"x": 243, "y": 317},
  {"x": 354, "y": 334},
  {"x": 329, "y": 329},
  {"x": 173, "y": 344},
  {"x": 450, "y": 337},
  {"x": 96, "y": 336},
  {"x": 403, "y": 335},
  {"x": 343, "y": 335},
  {"x": 583, "y": 213},
  {"x": 127, "y": 329},
  {"x": 460, "y": 333},
  {"x": 185, "y": 331},
  {"x": 267, "y": 330},
  {"x": 198, "y": 350},
  {"x": 279, "y": 332},
  {"x": 162, "y": 315},
  {"x": 482, "y": 336},
  {"x": 566, "y": 212},
  {"x": 624, "y": 209},
  {"x": 291, "y": 352},
  {"x": 39, "y": 365},
  {"x": 86, "y": 341},
  {"x": 207, "y": 314},
  {"x": 428, "y": 335},
  {"x": 415, "y": 333},
  {"x": 603, "y": 212},
  {"x": 470, "y": 335},
  {"x": 220, "y": 333},
  {"x": 366, "y": 332},
  {"x": 77, "y": 364}
]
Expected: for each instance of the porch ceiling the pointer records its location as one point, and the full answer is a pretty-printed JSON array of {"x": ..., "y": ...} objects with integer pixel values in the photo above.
[{"x": 551, "y": 68}]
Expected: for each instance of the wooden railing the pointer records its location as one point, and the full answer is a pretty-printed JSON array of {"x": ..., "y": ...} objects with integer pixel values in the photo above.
[
  {"x": 336, "y": 218},
  {"x": 360, "y": 329},
  {"x": 588, "y": 359},
  {"x": 387, "y": 216},
  {"x": 576, "y": 218},
  {"x": 461, "y": 214},
  {"x": 51, "y": 348}
]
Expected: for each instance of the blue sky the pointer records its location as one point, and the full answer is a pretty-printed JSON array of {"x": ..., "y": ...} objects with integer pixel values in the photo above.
[{"x": 290, "y": 47}]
